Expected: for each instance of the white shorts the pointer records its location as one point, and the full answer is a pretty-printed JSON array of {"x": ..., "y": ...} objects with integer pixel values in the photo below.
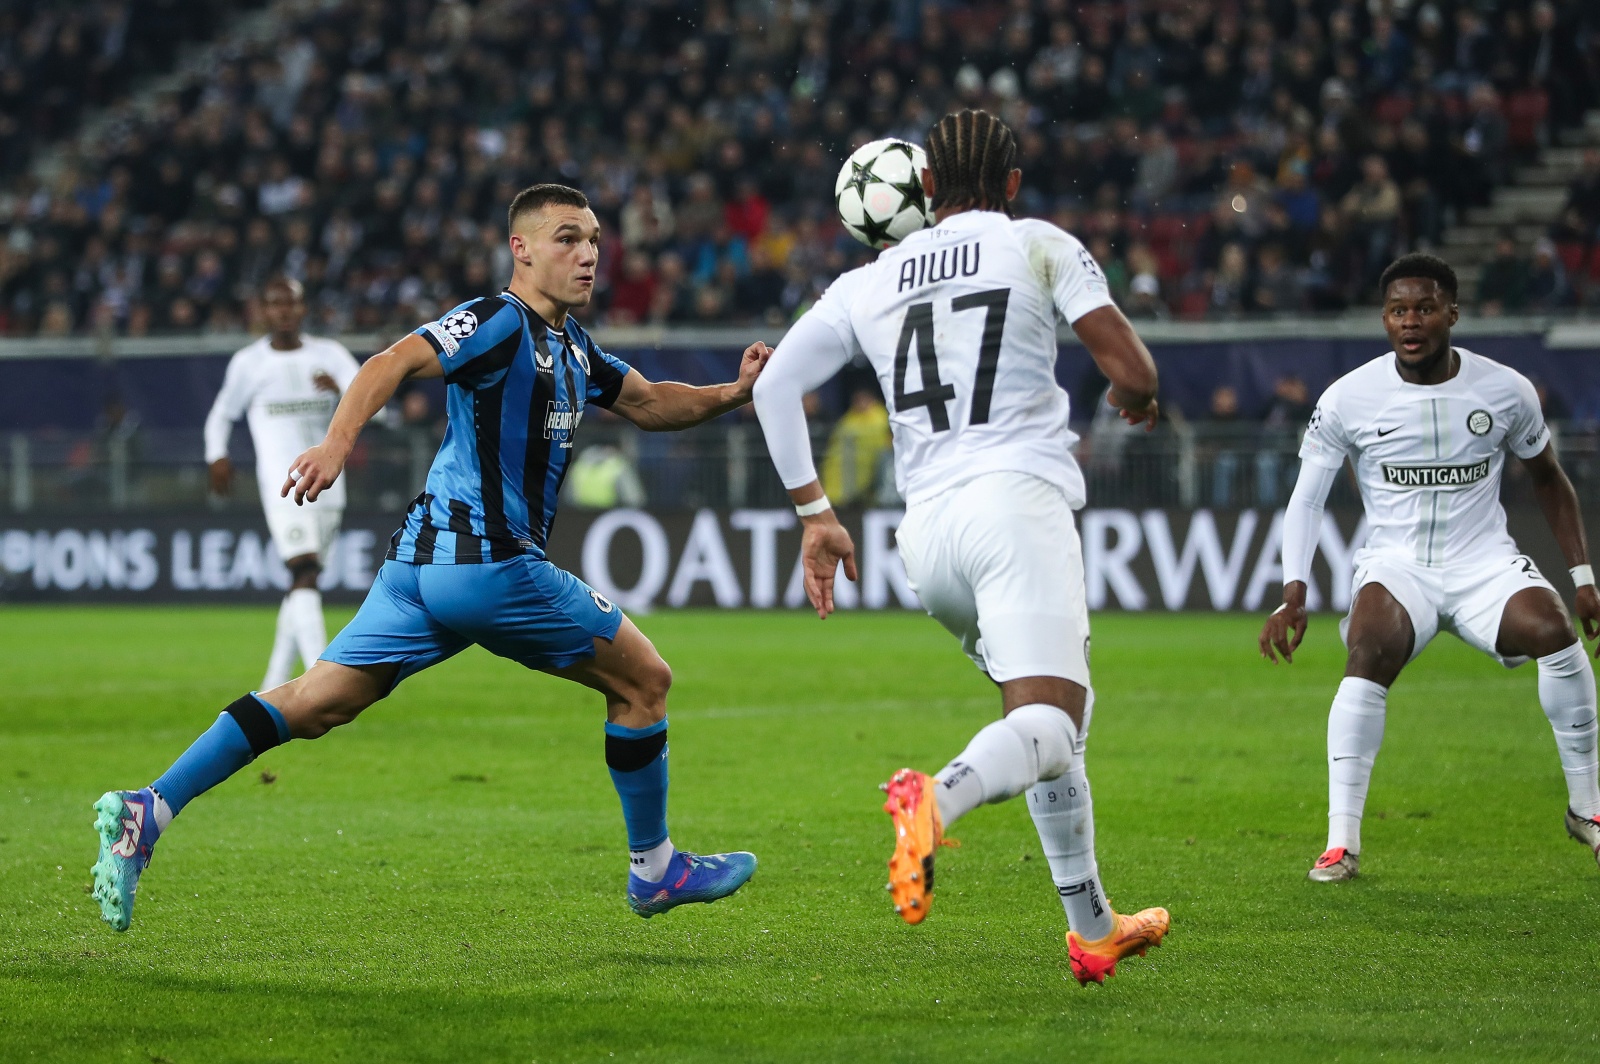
[
  {"x": 297, "y": 530},
  {"x": 1468, "y": 599},
  {"x": 997, "y": 561}
]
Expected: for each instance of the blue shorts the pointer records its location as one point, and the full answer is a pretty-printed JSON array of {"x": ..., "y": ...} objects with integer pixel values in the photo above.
[{"x": 525, "y": 609}]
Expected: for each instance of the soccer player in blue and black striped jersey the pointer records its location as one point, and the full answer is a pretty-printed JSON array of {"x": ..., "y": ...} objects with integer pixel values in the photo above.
[{"x": 468, "y": 566}]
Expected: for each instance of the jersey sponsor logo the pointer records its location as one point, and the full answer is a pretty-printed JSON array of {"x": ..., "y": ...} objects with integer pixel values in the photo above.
[
  {"x": 1479, "y": 422},
  {"x": 934, "y": 266},
  {"x": 559, "y": 422},
  {"x": 1384, "y": 432},
  {"x": 1534, "y": 436},
  {"x": 601, "y": 601},
  {"x": 1439, "y": 476},
  {"x": 461, "y": 324},
  {"x": 543, "y": 360},
  {"x": 299, "y": 407},
  {"x": 446, "y": 341}
]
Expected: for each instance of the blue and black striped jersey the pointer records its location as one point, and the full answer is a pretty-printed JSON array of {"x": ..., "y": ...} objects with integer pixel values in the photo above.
[{"x": 516, "y": 389}]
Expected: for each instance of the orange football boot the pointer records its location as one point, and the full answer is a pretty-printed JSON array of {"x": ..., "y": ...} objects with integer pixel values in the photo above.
[
  {"x": 1132, "y": 934},
  {"x": 918, "y": 832}
]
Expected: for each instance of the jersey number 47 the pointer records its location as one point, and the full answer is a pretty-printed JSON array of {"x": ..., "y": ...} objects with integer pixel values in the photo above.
[{"x": 934, "y": 393}]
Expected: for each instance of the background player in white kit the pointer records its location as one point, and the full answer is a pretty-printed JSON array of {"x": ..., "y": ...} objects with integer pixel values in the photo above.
[
  {"x": 959, "y": 322},
  {"x": 288, "y": 385},
  {"x": 1427, "y": 428}
]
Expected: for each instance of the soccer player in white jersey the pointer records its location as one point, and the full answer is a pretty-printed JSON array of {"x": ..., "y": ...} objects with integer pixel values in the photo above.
[
  {"x": 1427, "y": 428},
  {"x": 959, "y": 322},
  {"x": 287, "y": 385}
]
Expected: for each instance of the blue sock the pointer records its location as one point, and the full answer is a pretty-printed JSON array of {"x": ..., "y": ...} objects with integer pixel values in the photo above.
[
  {"x": 637, "y": 758},
  {"x": 248, "y": 728}
]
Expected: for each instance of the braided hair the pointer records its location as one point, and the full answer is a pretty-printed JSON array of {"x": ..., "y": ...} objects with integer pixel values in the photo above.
[{"x": 971, "y": 153}]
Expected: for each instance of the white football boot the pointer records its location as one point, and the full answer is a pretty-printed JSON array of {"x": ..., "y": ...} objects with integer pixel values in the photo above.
[{"x": 1586, "y": 830}]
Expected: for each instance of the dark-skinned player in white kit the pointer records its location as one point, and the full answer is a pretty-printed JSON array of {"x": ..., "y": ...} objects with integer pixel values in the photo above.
[{"x": 959, "y": 321}]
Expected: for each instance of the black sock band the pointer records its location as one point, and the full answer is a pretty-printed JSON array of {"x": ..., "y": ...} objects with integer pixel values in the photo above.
[
  {"x": 257, "y": 724},
  {"x": 631, "y": 755}
]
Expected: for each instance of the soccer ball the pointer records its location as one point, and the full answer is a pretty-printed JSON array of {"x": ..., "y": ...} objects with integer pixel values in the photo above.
[{"x": 879, "y": 193}]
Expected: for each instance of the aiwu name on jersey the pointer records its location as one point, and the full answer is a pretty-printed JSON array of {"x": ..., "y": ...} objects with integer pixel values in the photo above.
[
  {"x": 933, "y": 266},
  {"x": 1439, "y": 476}
]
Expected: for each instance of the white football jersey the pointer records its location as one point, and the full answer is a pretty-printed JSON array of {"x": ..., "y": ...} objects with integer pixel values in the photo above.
[
  {"x": 287, "y": 412},
  {"x": 959, "y": 322},
  {"x": 1429, "y": 457}
]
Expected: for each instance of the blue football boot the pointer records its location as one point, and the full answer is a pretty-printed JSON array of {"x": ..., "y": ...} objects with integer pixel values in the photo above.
[
  {"x": 690, "y": 877},
  {"x": 127, "y": 828}
]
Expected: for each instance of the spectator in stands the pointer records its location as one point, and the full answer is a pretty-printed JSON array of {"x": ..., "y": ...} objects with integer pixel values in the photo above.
[
  {"x": 367, "y": 153},
  {"x": 1372, "y": 209},
  {"x": 1503, "y": 285},
  {"x": 1225, "y": 439},
  {"x": 859, "y": 440},
  {"x": 1276, "y": 288},
  {"x": 1286, "y": 416},
  {"x": 1547, "y": 288},
  {"x": 1333, "y": 267},
  {"x": 1583, "y": 194},
  {"x": 1230, "y": 282}
]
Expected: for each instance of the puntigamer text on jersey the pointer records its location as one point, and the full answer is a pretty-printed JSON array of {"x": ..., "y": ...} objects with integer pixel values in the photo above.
[{"x": 1441, "y": 476}]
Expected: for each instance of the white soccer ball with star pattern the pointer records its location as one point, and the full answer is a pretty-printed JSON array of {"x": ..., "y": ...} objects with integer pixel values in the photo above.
[{"x": 879, "y": 192}]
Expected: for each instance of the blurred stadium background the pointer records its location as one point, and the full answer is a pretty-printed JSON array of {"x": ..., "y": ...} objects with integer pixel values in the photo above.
[{"x": 1242, "y": 169}]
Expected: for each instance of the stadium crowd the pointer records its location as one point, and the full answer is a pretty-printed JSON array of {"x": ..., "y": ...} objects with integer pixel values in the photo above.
[{"x": 1218, "y": 157}]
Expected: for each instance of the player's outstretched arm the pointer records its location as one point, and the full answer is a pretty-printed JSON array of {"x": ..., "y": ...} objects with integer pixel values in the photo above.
[
  {"x": 665, "y": 406},
  {"x": 372, "y": 387},
  {"x": 1125, "y": 361},
  {"x": 1559, "y": 502},
  {"x": 1302, "y": 524}
]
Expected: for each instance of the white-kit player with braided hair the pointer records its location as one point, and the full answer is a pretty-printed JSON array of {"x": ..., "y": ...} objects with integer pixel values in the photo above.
[{"x": 959, "y": 322}]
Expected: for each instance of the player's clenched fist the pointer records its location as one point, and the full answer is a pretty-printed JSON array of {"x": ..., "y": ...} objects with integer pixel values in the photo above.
[
  {"x": 312, "y": 473},
  {"x": 750, "y": 366}
]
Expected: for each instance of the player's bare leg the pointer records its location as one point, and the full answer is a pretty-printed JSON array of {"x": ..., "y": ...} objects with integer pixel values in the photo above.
[
  {"x": 634, "y": 679},
  {"x": 1380, "y": 641},
  {"x": 1535, "y": 625},
  {"x": 129, "y": 823},
  {"x": 301, "y": 631}
]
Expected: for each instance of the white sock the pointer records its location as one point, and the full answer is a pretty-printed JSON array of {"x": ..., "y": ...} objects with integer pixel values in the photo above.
[
  {"x": 650, "y": 865},
  {"x": 161, "y": 810},
  {"x": 1355, "y": 731},
  {"x": 1005, "y": 759},
  {"x": 1063, "y": 812},
  {"x": 1566, "y": 691},
  {"x": 305, "y": 615},
  {"x": 280, "y": 665}
]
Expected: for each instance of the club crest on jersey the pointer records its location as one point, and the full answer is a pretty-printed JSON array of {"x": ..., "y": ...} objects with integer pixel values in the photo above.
[
  {"x": 559, "y": 422},
  {"x": 581, "y": 355},
  {"x": 601, "y": 601},
  {"x": 1479, "y": 422}
]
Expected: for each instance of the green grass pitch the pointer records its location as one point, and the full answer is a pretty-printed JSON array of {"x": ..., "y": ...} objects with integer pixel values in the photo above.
[{"x": 443, "y": 880}]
